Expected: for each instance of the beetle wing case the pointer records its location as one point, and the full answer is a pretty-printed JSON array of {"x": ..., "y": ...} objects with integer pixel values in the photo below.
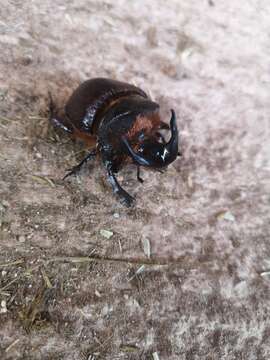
[
  {"x": 122, "y": 117},
  {"x": 91, "y": 99}
]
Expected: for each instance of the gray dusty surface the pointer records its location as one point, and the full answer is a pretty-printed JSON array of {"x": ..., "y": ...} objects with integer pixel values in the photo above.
[{"x": 204, "y": 292}]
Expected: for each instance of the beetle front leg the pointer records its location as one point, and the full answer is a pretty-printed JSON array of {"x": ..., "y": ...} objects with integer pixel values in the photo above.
[
  {"x": 75, "y": 169},
  {"x": 125, "y": 198},
  {"x": 108, "y": 159}
]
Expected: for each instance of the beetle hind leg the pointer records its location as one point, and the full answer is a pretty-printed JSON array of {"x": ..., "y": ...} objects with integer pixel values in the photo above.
[
  {"x": 57, "y": 121},
  {"x": 75, "y": 169}
]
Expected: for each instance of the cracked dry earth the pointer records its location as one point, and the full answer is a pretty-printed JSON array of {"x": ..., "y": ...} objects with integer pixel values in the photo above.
[{"x": 76, "y": 279}]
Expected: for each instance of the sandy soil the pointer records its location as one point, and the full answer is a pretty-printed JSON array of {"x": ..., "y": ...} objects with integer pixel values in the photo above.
[{"x": 67, "y": 291}]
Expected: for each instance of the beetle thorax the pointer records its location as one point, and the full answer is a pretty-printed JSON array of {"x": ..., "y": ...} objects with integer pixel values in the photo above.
[{"x": 144, "y": 126}]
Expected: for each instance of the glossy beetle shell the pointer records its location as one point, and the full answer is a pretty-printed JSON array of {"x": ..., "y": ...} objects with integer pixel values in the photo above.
[
  {"x": 116, "y": 119},
  {"x": 93, "y": 98}
]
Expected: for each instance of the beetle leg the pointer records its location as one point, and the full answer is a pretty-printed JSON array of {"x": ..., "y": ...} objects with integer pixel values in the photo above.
[
  {"x": 75, "y": 169},
  {"x": 60, "y": 123},
  {"x": 138, "y": 175},
  {"x": 55, "y": 120},
  {"x": 125, "y": 198}
]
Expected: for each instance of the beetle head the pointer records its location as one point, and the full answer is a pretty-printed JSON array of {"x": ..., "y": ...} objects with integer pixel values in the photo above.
[{"x": 154, "y": 154}]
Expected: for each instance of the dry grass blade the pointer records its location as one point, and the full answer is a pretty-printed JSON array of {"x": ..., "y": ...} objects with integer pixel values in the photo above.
[
  {"x": 12, "y": 345},
  {"x": 43, "y": 180},
  {"x": 3, "y": 118},
  {"x": 146, "y": 247},
  {"x": 10, "y": 283},
  {"x": 129, "y": 348},
  {"x": 155, "y": 356},
  {"x": 185, "y": 262},
  {"x": 34, "y": 312},
  {"x": 13, "y": 263},
  {"x": 46, "y": 279},
  {"x": 76, "y": 260}
]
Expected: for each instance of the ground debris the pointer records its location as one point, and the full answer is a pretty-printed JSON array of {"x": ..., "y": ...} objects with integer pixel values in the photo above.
[
  {"x": 155, "y": 356},
  {"x": 36, "y": 313},
  {"x": 106, "y": 233},
  {"x": 15, "y": 342},
  {"x": 129, "y": 348},
  {"x": 226, "y": 215},
  {"x": 43, "y": 180},
  {"x": 3, "y": 308},
  {"x": 146, "y": 247},
  {"x": 12, "y": 263}
]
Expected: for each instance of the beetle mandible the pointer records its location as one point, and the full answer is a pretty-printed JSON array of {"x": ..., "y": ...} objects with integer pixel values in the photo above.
[{"x": 121, "y": 123}]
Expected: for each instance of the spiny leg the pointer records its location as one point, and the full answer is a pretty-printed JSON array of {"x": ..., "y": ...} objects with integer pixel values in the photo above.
[
  {"x": 55, "y": 119},
  {"x": 138, "y": 175},
  {"x": 108, "y": 159},
  {"x": 57, "y": 122},
  {"x": 75, "y": 169},
  {"x": 125, "y": 198}
]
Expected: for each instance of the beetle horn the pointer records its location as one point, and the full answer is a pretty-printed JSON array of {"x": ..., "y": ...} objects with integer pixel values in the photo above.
[
  {"x": 172, "y": 145},
  {"x": 140, "y": 160},
  {"x": 156, "y": 154}
]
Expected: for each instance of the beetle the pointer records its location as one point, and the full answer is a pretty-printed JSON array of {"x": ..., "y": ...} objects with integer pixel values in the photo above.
[{"x": 121, "y": 123}]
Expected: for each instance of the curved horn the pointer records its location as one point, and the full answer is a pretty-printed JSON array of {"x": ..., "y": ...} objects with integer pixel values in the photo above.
[
  {"x": 156, "y": 154},
  {"x": 136, "y": 157},
  {"x": 172, "y": 145}
]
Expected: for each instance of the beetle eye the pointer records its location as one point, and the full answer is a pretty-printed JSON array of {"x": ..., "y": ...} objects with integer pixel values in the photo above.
[{"x": 141, "y": 135}]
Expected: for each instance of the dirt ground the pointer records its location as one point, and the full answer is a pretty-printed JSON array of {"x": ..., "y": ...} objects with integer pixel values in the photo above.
[{"x": 185, "y": 274}]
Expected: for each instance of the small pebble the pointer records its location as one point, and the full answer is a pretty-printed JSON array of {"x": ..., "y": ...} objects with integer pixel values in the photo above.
[
  {"x": 229, "y": 216},
  {"x": 21, "y": 238},
  {"x": 3, "y": 309},
  {"x": 97, "y": 293},
  {"x": 106, "y": 233},
  {"x": 146, "y": 247}
]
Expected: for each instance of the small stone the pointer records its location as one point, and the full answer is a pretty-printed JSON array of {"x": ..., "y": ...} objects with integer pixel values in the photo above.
[
  {"x": 190, "y": 182},
  {"x": 228, "y": 216},
  {"x": 21, "y": 238},
  {"x": 106, "y": 233},
  {"x": 146, "y": 247},
  {"x": 3, "y": 308},
  {"x": 97, "y": 293}
]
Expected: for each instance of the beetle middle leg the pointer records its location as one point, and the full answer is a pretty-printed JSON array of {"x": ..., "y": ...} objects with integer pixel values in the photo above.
[{"x": 75, "y": 169}]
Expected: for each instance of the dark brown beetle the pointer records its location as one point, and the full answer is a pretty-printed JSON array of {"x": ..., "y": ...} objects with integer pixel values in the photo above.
[{"x": 120, "y": 122}]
